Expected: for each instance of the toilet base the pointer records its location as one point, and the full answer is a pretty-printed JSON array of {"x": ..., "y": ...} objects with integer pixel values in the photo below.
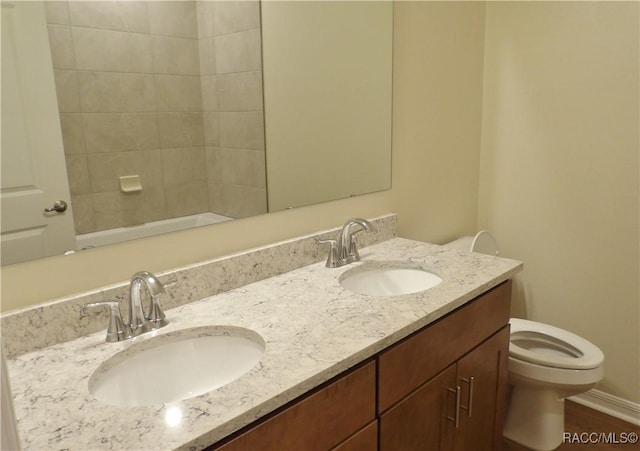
[{"x": 535, "y": 417}]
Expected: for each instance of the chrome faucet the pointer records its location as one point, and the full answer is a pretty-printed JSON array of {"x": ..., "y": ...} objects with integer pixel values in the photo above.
[
  {"x": 344, "y": 250},
  {"x": 139, "y": 322}
]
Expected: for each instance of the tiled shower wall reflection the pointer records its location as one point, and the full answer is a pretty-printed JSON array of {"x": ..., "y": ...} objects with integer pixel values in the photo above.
[{"x": 168, "y": 90}]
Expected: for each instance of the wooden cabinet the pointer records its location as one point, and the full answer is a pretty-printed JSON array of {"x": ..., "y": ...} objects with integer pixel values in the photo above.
[
  {"x": 442, "y": 388},
  {"x": 416, "y": 423},
  {"x": 461, "y": 408},
  {"x": 482, "y": 378},
  {"x": 320, "y": 421},
  {"x": 364, "y": 440}
]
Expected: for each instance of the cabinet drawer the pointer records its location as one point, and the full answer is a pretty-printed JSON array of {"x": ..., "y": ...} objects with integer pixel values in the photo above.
[
  {"x": 319, "y": 421},
  {"x": 412, "y": 362}
]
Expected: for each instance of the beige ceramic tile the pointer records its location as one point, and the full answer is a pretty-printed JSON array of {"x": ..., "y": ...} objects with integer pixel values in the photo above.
[
  {"x": 214, "y": 164},
  {"x": 78, "y": 174},
  {"x": 211, "y": 128},
  {"x": 83, "y": 219},
  {"x": 186, "y": 198},
  {"x": 233, "y": 16},
  {"x": 173, "y": 18},
  {"x": 116, "y": 132},
  {"x": 238, "y": 52},
  {"x": 183, "y": 165},
  {"x": 110, "y": 15},
  {"x": 57, "y": 12},
  {"x": 181, "y": 130},
  {"x": 104, "y": 133},
  {"x": 116, "y": 209},
  {"x": 178, "y": 93},
  {"x": 67, "y": 91},
  {"x": 143, "y": 130},
  {"x": 210, "y": 93},
  {"x": 205, "y": 17},
  {"x": 105, "y": 169},
  {"x": 217, "y": 203},
  {"x": 207, "y": 55},
  {"x": 72, "y": 133},
  {"x": 132, "y": 207},
  {"x": 225, "y": 18},
  {"x": 237, "y": 201},
  {"x": 135, "y": 15},
  {"x": 107, "y": 211},
  {"x": 243, "y": 167},
  {"x": 250, "y": 13},
  {"x": 147, "y": 206},
  {"x": 106, "y": 92},
  {"x": 240, "y": 91},
  {"x": 176, "y": 56},
  {"x": 242, "y": 130},
  {"x": 114, "y": 51},
  {"x": 61, "y": 45}
]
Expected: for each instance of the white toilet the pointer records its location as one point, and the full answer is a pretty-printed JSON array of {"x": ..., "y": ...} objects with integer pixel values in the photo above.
[{"x": 546, "y": 364}]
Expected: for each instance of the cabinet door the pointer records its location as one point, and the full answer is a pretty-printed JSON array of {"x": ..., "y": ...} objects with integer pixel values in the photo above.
[
  {"x": 420, "y": 422},
  {"x": 482, "y": 378},
  {"x": 318, "y": 422}
]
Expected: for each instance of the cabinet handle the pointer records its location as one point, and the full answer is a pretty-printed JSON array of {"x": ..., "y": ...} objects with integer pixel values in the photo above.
[
  {"x": 469, "y": 407},
  {"x": 456, "y": 419}
]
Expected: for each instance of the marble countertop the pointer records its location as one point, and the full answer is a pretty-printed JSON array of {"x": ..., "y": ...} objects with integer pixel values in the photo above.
[{"x": 313, "y": 330}]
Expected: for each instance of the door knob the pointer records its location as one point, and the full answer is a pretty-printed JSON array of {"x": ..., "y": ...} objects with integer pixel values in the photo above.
[{"x": 59, "y": 206}]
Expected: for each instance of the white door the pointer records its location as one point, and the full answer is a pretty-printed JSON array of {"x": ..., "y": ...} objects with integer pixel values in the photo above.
[{"x": 33, "y": 170}]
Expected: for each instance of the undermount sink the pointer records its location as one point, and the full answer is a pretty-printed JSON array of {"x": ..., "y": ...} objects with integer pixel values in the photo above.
[
  {"x": 388, "y": 279},
  {"x": 176, "y": 366}
]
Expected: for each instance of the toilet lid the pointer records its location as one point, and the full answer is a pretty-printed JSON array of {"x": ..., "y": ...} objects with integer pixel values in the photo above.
[
  {"x": 551, "y": 346},
  {"x": 484, "y": 243}
]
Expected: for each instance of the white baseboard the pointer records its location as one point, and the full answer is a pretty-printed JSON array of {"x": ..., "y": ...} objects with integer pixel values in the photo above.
[{"x": 611, "y": 405}]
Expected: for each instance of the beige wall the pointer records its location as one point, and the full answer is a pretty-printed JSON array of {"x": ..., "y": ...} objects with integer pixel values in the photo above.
[
  {"x": 436, "y": 118},
  {"x": 559, "y": 173}
]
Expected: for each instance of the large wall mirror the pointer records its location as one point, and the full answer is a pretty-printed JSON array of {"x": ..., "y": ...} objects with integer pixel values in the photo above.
[{"x": 146, "y": 117}]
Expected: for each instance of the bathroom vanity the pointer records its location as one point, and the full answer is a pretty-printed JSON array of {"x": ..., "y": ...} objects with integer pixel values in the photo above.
[
  {"x": 340, "y": 370},
  {"x": 443, "y": 387}
]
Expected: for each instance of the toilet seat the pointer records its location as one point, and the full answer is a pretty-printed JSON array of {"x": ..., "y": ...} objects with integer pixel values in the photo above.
[{"x": 550, "y": 346}]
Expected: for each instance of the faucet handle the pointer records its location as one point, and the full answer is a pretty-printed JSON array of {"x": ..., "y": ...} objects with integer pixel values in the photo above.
[
  {"x": 333, "y": 252},
  {"x": 156, "y": 317},
  {"x": 352, "y": 248},
  {"x": 117, "y": 331}
]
